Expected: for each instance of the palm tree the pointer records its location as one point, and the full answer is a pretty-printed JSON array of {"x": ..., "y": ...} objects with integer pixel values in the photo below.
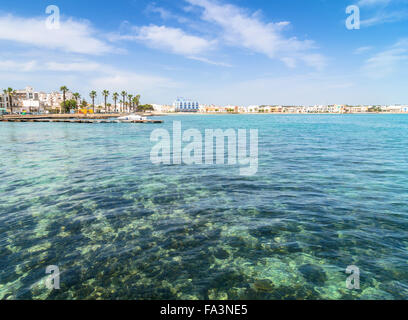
[
  {"x": 130, "y": 96},
  {"x": 124, "y": 94},
  {"x": 64, "y": 89},
  {"x": 136, "y": 101},
  {"x": 105, "y": 94},
  {"x": 10, "y": 92},
  {"x": 77, "y": 97},
  {"x": 115, "y": 98},
  {"x": 93, "y": 96},
  {"x": 5, "y": 93}
]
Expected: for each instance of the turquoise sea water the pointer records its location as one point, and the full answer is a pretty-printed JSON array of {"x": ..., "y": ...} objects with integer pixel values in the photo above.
[{"x": 330, "y": 192}]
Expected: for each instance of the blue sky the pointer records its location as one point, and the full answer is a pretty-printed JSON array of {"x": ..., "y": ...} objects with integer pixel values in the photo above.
[{"x": 216, "y": 51}]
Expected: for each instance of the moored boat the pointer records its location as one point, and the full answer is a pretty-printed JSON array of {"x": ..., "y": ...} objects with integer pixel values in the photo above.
[{"x": 132, "y": 117}]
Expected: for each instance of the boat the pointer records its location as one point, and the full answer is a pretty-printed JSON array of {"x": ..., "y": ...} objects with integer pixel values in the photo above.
[{"x": 132, "y": 117}]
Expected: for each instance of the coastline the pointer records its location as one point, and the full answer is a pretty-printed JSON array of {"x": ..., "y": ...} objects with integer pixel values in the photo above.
[
  {"x": 262, "y": 114},
  {"x": 67, "y": 116},
  {"x": 156, "y": 114}
]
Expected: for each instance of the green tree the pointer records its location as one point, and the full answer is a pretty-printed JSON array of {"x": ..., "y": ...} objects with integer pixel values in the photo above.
[
  {"x": 92, "y": 95},
  {"x": 130, "y": 96},
  {"x": 136, "y": 101},
  {"x": 124, "y": 94},
  {"x": 105, "y": 94},
  {"x": 64, "y": 90},
  {"x": 145, "y": 107},
  {"x": 77, "y": 97},
  {"x": 115, "y": 98},
  {"x": 69, "y": 105}
]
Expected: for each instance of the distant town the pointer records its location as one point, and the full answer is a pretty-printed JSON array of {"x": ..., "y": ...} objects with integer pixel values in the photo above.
[
  {"x": 187, "y": 105},
  {"x": 29, "y": 100}
]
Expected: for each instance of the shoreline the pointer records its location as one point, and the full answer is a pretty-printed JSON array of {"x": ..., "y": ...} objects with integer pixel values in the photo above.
[
  {"x": 116, "y": 115},
  {"x": 263, "y": 114},
  {"x": 67, "y": 116}
]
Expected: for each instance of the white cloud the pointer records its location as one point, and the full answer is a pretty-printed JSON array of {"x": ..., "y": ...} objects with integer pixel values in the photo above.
[
  {"x": 384, "y": 17},
  {"x": 381, "y": 12},
  {"x": 173, "y": 39},
  {"x": 362, "y": 50},
  {"x": 241, "y": 29},
  {"x": 82, "y": 76},
  {"x": 388, "y": 61},
  {"x": 208, "y": 61},
  {"x": 35, "y": 65},
  {"x": 164, "y": 13},
  {"x": 130, "y": 82},
  {"x": 72, "y": 36},
  {"x": 26, "y": 66},
  {"x": 77, "y": 66}
]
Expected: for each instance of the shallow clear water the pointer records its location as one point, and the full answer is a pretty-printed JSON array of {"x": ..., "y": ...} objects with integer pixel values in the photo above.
[{"x": 331, "y": 191}]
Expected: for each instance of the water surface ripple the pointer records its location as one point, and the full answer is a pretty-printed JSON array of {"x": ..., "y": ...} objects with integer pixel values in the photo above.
[{"x": 330, "y": 192}]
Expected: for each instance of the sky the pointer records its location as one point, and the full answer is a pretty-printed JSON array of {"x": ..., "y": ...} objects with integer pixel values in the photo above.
[{"x": 238, "y": 52}]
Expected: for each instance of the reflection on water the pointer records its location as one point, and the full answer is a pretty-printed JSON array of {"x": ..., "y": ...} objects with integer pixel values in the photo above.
[{"x": 329, "y": 193}]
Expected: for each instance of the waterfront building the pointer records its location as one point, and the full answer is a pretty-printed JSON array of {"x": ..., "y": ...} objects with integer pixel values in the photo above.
[
  {"x": 393, "y": 109},
  {"x": 29, "y": 100},
  {"x": 252, "y": 109},
  {"x": 22, "y": 100},
  {"x": 275, "y": 109},
  {"x": 4, "y": 104},
  {"x": 163, "y": 108},
  {"x": 355, "y": 109},
  {"x": 25, "y": 94},
  {"x": 54, "y": 99},
  {"x": 186, "y": 105},
  {"x": 291, "y": 109},
  {"x": 202, "y": 108},
  {"x": 209, "y": 108},
  {"x": 234, "y": 109}
]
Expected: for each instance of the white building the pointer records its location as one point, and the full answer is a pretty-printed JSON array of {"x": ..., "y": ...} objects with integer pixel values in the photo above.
[
  {"x": 252, "y": 109},
  {"x": 4, "y": 101},
  {"x": 394, "y": 109},
  {"x": 53, "y": 100},
  {"x": 29, "y": 100},
  {"x": 163, "y": 108},
  {"x": 186, "y": 105},
  {"x": 22, "y": 100}
]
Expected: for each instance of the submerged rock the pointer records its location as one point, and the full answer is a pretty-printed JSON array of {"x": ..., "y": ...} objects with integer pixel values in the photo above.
[
  {"x": 313, "y": 274},
  {"x": 221, "y": 254},
  {"x": 263, "y": 285}
]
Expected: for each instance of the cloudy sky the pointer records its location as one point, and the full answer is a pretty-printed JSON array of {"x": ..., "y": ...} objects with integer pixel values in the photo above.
[{"x": 216, "y": 51}]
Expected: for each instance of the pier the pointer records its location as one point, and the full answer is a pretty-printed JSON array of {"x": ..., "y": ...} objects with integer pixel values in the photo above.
[
  {"x": 80, "y": 120},
  {"x": 76, "y": 118}
]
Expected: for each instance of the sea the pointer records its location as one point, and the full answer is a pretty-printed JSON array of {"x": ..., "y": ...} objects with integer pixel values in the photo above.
[{"x": 325, "y": 216}]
